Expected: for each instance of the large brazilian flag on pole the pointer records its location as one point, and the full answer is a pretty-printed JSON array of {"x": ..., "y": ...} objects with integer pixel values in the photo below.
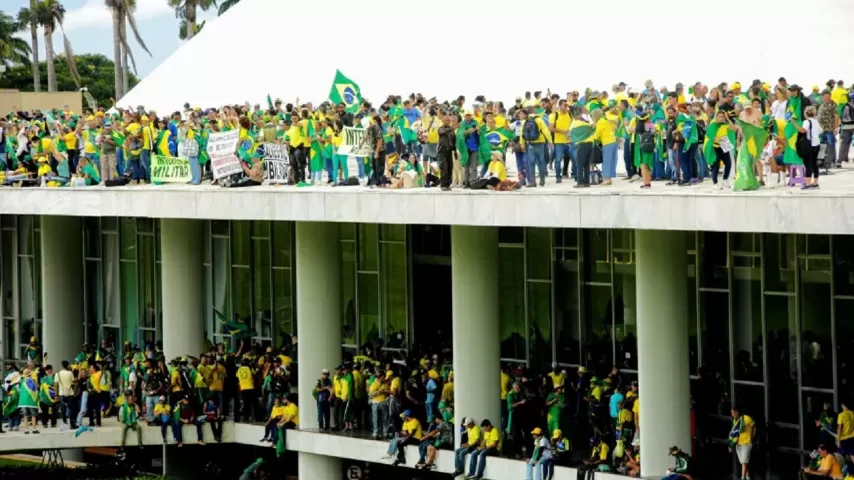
[{"x": 345, "y": 91}]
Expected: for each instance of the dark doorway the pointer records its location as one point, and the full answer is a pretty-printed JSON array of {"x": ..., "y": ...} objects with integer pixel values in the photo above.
[{"x": 432, "y": 305}]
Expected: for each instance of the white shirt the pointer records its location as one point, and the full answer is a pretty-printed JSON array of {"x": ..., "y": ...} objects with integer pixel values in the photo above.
[
  {"x": 64, "y": 381},
  {"x": 813, "y": 132},
  {"x": 778, "y": 109},
  {"x": 545, "y": 448}
]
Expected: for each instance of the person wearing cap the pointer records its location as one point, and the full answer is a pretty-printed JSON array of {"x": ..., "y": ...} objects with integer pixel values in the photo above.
[
  {"x": 555, "y": 402},
  {"x": 537, "y": 467},
  {"x": 490, "y": 445},
  {"x": 682, "y": 469},
  {"x": 322, "y": 393},
  {"x": 473, "y": 437},
  {"x": 410, "y": 433},
  {"x": 148, "y": 146},
  {"x": 561, "y": 450},
  {"x": 828, "y": 120},
  {"x": 598, "y": 460},
  {"x": 183, "y": 413},
  {"x": 378, "y": 399},
  {"x": 162, "y": 415}
]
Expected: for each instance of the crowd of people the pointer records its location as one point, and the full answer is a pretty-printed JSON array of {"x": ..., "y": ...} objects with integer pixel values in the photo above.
[
  {"x": 546, "y": 419},
  {"x": 677, "y": 135}
]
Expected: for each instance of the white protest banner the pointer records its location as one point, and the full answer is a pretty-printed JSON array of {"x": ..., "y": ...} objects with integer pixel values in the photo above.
[
  {"x": 276, "y": 171},
  {"x": 351, "y": 143},
  {"x": 170, "y": 169},
  {"x": 274, "y": 151},
  {"x": 189, "y": 148},
  {"x": 225, "y": 165},
  {"x": 221, "y": 147}
]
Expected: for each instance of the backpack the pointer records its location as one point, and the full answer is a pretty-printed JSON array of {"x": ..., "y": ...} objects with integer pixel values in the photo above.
[
  {"x": 530, "y": 130},
  {"x": 701, "y": 132},
  {"x": 647, "y": 140},
  {"x": 803, "y": 145}
]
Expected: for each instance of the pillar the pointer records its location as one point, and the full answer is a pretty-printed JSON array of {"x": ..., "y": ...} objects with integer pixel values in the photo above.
[
  {"x": 662, "y": 313},
  {"x": 318, "y": 281},
  {"x": 62, "y": 287},
  {"x": 316, "y": 466},
  {"x": 477, "y": 352},
  {"x": 182, "y": 279}
]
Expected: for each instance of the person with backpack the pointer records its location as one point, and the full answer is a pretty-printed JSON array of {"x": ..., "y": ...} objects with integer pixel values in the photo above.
[
  {"x": 535, "y": 137},
  {"x": 581, "y": 133},
  {"x": 846, "y": 129},
  {"x": 809, "y": 150},
  {"x": 643, "y": 140}
]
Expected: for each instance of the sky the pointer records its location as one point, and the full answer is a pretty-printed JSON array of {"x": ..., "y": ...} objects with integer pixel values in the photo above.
[{"x": 90, "y": 29}]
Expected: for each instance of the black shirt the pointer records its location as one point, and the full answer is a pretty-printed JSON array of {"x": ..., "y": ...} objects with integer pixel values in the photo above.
[{"x": 447, "y": 138}]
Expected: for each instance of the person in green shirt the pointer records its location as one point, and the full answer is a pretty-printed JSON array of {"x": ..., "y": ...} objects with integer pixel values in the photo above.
[
  {"x": 10, "y": 404},
  {"x": 89, "y": 171},
  {"x": 555, "y": 402},
  {"x": 128, "y": 415},
  {"x": 48, "y": 397}
]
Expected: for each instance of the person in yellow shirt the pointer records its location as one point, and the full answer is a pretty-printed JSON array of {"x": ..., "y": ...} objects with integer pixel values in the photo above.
[
  {"x": 845, "y": 431},
  {"x": 216, "y": 381},
  {"x": 359, "y": 399},
  {"x": 828, "y": 468},
  {"x": 289, "y": 420},
  {"x": 742, "y": 434},
  {"x": 248, "y": 393},
  {"x": 559, "y": 123},
  {"x": 598, "y": 460},
  {"x": 148, "y": 137},
  {"x": 163, "y": 416},
  {"x": 506, "y": 383},
  {"x": 276, "y": 414},
  {"x": 377, "y": 396},
  {"x": 474, "y": 437},
  {"x": 410, "y": 434},
  {"x": 394, "y": 393},
  {"x": 535, "y": 146},
  {"x": 605, "y": 134},
  {"x": 839, "y": 94},
  {"x": 448, "y": 390},
  {"x": 489, "y": 446}
]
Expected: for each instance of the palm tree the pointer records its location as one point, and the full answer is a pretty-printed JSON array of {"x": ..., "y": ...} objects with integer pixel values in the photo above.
[
  {"x": 226, "y": 5},
  {"x": 12, "y": 49},
  {"x": 187, "y": 12},
  {"x": 127, "y": 9},
  {"x": 50, "y": 13},
  {"x": 27, "y": 18}
]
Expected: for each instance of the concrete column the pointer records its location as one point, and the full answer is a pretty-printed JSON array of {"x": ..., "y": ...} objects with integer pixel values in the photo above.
[
  {"x": 183, "y": 287},
  {"x": 662, "y": 313},
  {"x": 319, "y": 466},
  {"x": 477, "y": 353},
  {"x": 318, "y": 274},
  {"x": 62, "y": 287}
]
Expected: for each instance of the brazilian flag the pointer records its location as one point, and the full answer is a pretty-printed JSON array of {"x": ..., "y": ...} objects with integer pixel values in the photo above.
[
  {"x": 315, "y": 157},
  {"x": 688, "y": 128},
  {"x": 401, "y": 125},
  {"x": 581, "y": 131},
  {"x": 492, "y": 140},
  {"x": 461, "y": 141},
  {"x": 711, "y": 133},
  {"x": 753, "y": 141},
  {"x": 790, "y": 133},
  {"x": 238, "y": 330},
  {"x": 345, "y": 91}
]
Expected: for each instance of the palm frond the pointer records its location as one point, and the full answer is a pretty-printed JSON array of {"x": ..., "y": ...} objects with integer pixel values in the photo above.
[
  {"x": 130, "y": 54},
  {"x": 226, "y": 5},
  {"x": 132, "y": 22},
  {"x": 69, "y": 54}
]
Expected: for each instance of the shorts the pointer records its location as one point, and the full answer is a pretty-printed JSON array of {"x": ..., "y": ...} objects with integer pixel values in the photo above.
[
  {"x": 743, "y": 453},
  {"x": 846, "y": 447},
  {"x": 29, "y": 411},
  {"x": 439, "y": 444}
]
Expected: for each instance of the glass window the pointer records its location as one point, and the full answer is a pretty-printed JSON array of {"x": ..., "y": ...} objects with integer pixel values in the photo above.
[
  {"x": 750, "y": 400},
  {"x": 261, "y": 228},
  {"x": 714, "y": 326},
  {"x": 219, "y": 227},
  {"x": 129, "y": 294},
  {"x": 780, "y": 262},
  {"x": 598, "y": 323},
  {"x": 112, "y": 286},
  {"x": 540, "y": 321},
  {"x": 781, "y": 317},
  {"x": 147, "y": 275},
  {"x": 221, "y": 284},
  {"x": 128, "y": 238},
  {"x": 813, "y": 404},
  {"x": 27, "y": 289},
  {"x": 369, "y": 315},
  {"x": 10, "y": 336},
  {"x": 816, "y": 325},
  {"x": 511, "y": 300},
  {"x": 284, "y": 315},
  {"x": 845, "y": 348},
  {"x": 389, "y": 232},
  {"x": 241, "y": 285},
  {"x": 745, "y": 242},
  {"x": 240, "y": 243},
  {"x": 567, "y": 313},
  {"x": 209, "y": 317},
  {"x": 713, "y": 266},
  {"x": 538, "y": 252},
  {"x": 93, "y": 293},
  {"x": 843, "y": 264},
  {"x": 814, "y": 244},
  {"x": 92, "y": 237},
  {"x": 595, "y": 260},
  {"x": 747, "y": 329},
  {"x": 25, "y": 235},
  {"x": 511, "y": 235},
  {"x": 394, "y": 295},
  {"x": 145, "y": 225},
  {"x": 109, "y": 224},
  {"x": 348, "y": 292},
  {"x": 625, "y": 316},
  {"x": 8, "y": 259},
  {"x": 8, "y": 220},
  {"x": 566, "y": 237},
  {"x": 29, "y": 328},
  {"x": 282, "y": 244},
  {"x": 347, "y": 231},
  {"x": 261, "y": 302},
  {"x": 367, "y": 248}
]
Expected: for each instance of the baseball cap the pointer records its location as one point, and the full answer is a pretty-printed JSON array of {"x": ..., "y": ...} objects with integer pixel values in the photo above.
[
  {"x": 537, "y": 431},
  {"x": 406, "y": 413}
]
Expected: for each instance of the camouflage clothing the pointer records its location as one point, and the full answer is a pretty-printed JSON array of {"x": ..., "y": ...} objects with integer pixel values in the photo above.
[{"x": 827, "y": 116}]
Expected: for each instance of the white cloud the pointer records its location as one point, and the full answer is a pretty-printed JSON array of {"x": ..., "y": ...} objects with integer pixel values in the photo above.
[{"x": 95, "y": 14}]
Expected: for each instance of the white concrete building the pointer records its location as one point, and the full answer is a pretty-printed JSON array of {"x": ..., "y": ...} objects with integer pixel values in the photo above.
[{"x": 756, "y": 287}]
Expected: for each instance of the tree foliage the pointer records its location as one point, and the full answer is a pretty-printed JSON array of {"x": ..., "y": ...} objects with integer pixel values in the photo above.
[
  {"x": 96, "y": 74},
  {"x": 13, "y": 49}
]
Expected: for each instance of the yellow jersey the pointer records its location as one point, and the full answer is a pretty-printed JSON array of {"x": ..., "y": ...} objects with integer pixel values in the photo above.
[
  {"x": 413, "y": 427},
  {"x": 291, "y": 412},
  {"x": 244, "y": 378},
  {"x": 845, "y": 421}
]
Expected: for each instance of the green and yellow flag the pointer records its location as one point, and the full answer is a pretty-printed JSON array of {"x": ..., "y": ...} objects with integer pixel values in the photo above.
[
  {"x": 581, "y": 131},
  {"x": 345, "y": 91},
  {"x": 790, "y": 133},
  {"x": 753, "y": 141}
]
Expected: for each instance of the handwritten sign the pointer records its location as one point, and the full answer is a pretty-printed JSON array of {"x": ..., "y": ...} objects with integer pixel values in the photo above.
[
  {"x": 170, "y": 169},
  {"x": 352, "y": 143}
]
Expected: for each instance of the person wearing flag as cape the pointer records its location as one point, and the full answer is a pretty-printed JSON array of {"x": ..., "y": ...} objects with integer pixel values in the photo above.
[
  {"x": 581, "y": 134},
  {"x": 48, "y": 397},
  {"x": 753, "y": 140},
  {"x": 28, "y": 399},
  {"x": 720, "y": 140},
  {"x": 644, "y": 141}
]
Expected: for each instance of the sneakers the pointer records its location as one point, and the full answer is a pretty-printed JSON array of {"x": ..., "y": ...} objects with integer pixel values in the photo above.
[
  {"x": 718, "y": 186},
  {"x": 726, "y": 184},
  {"x": 398, "y": 462}
]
